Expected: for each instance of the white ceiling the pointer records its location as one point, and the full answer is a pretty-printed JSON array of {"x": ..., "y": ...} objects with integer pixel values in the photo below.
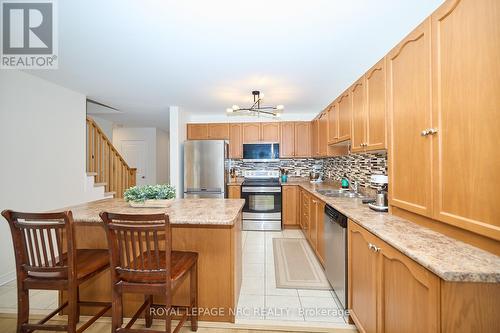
[{"x": 204, "y": 56}]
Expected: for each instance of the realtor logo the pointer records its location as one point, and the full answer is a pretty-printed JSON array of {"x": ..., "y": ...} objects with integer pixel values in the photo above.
[{"x": 29, "y": 34}]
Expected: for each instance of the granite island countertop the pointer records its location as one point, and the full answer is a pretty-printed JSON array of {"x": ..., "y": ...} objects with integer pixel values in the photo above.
[
  {"x": 181, "y": 211},
  {"x": 448, "y": 258}
]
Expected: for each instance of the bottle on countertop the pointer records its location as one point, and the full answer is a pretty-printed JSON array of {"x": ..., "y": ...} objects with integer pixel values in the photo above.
[{"x": 345, "y": 181}]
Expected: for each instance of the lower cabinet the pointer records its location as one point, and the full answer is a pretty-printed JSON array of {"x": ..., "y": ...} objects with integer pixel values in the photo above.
[
  {"x": 311, "y": 221},
  {"x": 290, "y": 205},
  {"x": 234, "y": 192},
  {"x": 389, "y": 292}
]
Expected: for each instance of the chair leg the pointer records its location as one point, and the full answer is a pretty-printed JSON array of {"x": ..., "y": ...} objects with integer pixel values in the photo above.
[
  {"x": 168, "y": 309},
  {"x": 117, "y": 309},
  {"x": 147, "y": 312},
  {"x": 193, "y": 284},
  {"x": 77, "y": 318},
  {"x": 72, "y": 308},
  {"x": 23, "y": 306}
]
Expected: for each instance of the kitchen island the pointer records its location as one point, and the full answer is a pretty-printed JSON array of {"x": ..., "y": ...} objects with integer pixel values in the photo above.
[{"x": 210, "y": 227}]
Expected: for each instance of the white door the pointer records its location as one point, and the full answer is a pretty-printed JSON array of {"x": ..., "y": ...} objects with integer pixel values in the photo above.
[{"x": 135, "y": 152}]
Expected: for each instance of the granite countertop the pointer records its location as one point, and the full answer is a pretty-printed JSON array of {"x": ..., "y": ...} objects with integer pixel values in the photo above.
[
  {"x": 180, "y": 211},
  {"x": 448, "y": 258}
]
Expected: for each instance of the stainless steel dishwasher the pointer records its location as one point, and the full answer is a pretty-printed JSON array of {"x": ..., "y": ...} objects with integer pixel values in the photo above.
[{"x": 336, "y": 252}]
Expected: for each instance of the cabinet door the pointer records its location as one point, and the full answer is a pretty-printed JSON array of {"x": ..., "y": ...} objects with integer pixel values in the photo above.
[
  {"x": 235, "y": 141},
  {"x": 303, "y": 139},
  {"x": 408, "y": 85},
  {"x": 358, "y": 137},
  {"x": 290, "y": 205},
  {"x": 218, "y": 131},
  {"x": 251, "y": 132},
  {"x": 315, "y": 138},
  {"x": 270, "y": 132},
  {"x": 333, "y": 123},
  {"x": 323, "y": 134},
  {"x": 320, "y": 226},
  {"x": 287, "y": 139},
  {"x": 197, "y": 131},
  {"x": 344, "y": 117},
  {"x": 313, "y": 220},
  {"x": 362, "y": 275},
  {"x": 234, "y": 192},
  {"x": 306, "y": 204},
  {"x": 408, "y": 294},
  {"x": 375, "y": 107},
  {"x": 466, "y": 111}
]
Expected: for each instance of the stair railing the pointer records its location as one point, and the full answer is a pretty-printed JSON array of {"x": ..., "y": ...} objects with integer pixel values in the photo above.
[{"x": 104, "y": 160}]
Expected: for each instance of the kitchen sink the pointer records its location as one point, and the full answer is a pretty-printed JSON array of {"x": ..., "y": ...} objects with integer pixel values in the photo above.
[{"x": 340, "y": 193}]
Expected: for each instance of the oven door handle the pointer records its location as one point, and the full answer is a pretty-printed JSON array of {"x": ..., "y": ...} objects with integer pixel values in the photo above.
[{"x": 263, "y": 189}]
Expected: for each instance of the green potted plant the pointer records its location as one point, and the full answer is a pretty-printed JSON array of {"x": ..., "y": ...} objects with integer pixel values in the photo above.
[{"x": 150, "y": 195}]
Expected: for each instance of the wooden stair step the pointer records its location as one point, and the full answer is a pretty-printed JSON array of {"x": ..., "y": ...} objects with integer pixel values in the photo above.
[
  {"x": 106, "y": 194},
  {"x": 100, "y": 184},
  {"x": 91, "y": 173}
]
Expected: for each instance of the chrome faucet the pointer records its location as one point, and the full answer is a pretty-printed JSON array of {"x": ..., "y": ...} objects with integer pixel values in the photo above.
[{"x": 354, "y": 186}]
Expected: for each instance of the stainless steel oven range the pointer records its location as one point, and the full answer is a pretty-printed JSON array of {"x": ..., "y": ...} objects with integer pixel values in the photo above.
[{"x": 261, "y": 190}]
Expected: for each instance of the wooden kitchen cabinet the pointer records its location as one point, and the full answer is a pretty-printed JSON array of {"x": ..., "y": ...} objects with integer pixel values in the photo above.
[
  {"x": 323, "y": 134},
  {"x": 197, "y": 131},
  {"x": 358, "y": 135},
  {"x": 251, "y": 132},
  {"x": 315, "y": 138},
  {"x": 218, "y": 131},
  {"x": 312, "y": 233},
  {"x": 270, "y": 132},
  {"x": 409, "y": 106},
  {"x": 287, "y": 139},
  {"x": 305, "y": 212},
  {"x": 333, "y": 123},
  {"x": 375, "y": 82},
  {"x": 362, "y": 275},
  {"x": 290, "y": 205},
  {"x": 389, "y": 292},
  {"x": 302, "y": 139},
  {"x": 466, "y": 115},
  {"x": 234, "y": 192},
  {"x": 235, "y": 141},
  {"x": 344, "y": 105}
]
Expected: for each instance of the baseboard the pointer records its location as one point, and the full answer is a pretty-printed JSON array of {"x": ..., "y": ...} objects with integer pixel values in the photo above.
[
  {"x": 7, "y": 277},
  {"x": 291, "y": 226}
]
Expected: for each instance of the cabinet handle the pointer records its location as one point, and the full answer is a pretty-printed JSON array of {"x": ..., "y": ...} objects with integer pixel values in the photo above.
[
  {"x": 373, "y": 247},
  {"x": 425, "y": 132},
  {"x": 433, "y": 131}
]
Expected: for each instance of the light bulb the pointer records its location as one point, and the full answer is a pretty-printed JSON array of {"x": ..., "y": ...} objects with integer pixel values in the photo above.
[
  {"x": 235, "y": 107},
  {"x": 278, "y": 115},
  {"x": 229, "y": 110},
  {"x": 261, "y": 95},
  {"x": 280, "y": 107}
]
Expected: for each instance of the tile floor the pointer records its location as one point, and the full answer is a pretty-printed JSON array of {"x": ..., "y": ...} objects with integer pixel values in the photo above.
[
  {"x": 41, "y": 301},
  {"x": 260, "y": 300}
]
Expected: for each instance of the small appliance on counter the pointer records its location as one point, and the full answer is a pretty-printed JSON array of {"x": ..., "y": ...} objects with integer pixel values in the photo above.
[
  {"x": 315, "y": 175},
  {"x": 381, "y": 203}
]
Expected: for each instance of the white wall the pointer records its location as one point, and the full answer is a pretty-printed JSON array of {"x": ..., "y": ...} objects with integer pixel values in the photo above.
[
  {"x": 178, "y": 135},
  {"x": 42, "y": 144},
  {"x": 162, "y": 157},
  {"x": 147, "y": 134}
]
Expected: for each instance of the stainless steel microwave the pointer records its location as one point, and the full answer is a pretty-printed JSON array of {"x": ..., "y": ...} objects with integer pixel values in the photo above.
[{"x": 261, "y": 152}]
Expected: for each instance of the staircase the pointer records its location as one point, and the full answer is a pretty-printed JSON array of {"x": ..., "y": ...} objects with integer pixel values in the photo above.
[{"x": 109, "y": 174}]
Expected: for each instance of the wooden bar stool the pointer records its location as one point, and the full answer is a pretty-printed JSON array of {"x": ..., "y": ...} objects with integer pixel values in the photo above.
[
  {"x": 142, "y": 261},
  {"x": 47, "y": 258}
]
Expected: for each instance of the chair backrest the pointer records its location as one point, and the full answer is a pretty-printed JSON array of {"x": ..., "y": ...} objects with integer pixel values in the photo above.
[
  {"x": 43, "y": 243},
  {"x": 140, "y": 246}
]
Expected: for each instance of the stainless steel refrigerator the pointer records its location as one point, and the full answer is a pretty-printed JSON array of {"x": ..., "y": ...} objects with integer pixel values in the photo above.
[{"x": 206, "y": 168}]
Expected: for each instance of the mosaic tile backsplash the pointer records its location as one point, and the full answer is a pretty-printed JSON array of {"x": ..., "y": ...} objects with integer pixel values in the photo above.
[
  {"x": 358, "y": 167},
  {"x": 299, "y": 167}
]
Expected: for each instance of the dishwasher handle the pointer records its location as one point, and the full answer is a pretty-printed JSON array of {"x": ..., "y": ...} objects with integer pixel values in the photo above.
[{"x": 335, "y": 216}]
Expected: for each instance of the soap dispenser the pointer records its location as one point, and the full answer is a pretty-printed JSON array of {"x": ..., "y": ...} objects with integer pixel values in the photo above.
[{"x": 345, "y": 182}]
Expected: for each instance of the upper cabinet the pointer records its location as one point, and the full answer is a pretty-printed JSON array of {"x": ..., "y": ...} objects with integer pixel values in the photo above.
[
  {"x": 235, "y": 141},
  {"x": 409, "y": 106},
  {"x": 197, "y": 131},
  {"x": 358, "y": 135},
  {"x": 287, "y": 139},
  {"x": 333, "y": 123},
  {"x": 270, "y": 132},
  {"x": 302, "y": 139},
  {"x": 315, "y": 138},
  {"x": 375, "y": 102},
  {"x": 251, "y": 132},
  {"x": 323, "y": 134},
  {"x": 218, "y": 131},
  {"x": 344, "y": 105},
  {"x": 466, "y": 115}
]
